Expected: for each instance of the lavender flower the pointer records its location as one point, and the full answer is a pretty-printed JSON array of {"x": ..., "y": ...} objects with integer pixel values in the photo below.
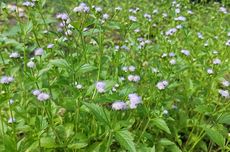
[
  {"x": 209, "y": 71},
  {"x": 50, "y": 46},
  {"x": 180, "y": 18},
  {"x": 39, "y": 52},
  {"x": 162, "y": 85},
  {"x": 36, "y": 92},
  {"x": 133, "y": 18},
  {"x": 224, "y": 93},
  {"x": 6, "y": 79},
  {"x": 100, "y": 86},
  {"x": 134, "y": 100},
  {"x": 11, "y": 120},
  {"x": 119, "y": 105},
  {"x": 216, "y": 61},
  {"x": 225, "y": 83},
  {"x": 82, "y": 8},
  {"x": 185, "y": 52},
  {"x": 14, "y": 55},
  {"x": 43, "y": 96},
  {"x": 132, "y": 68},
  {"x": 31, "y": 64}
]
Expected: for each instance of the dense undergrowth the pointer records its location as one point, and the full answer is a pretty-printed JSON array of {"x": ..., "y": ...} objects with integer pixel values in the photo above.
[{"x": 114, "y": 76}]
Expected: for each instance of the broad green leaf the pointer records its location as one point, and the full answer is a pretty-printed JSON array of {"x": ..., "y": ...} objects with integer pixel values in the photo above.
[
  {"x": 100, "y": 113},
  {"x": 215, "y": 136},
  {"x": 86, "y": 68},
  {"x": 161, "y": 124},
  {"x": 166, "y": 142},
  {"x": 77, "y": 145},
  {"x": 59, "y": 63},
  {"x": 224, "y": 119},
  {"x": 47, "y": 142},
  {"x": 124, "y": 137}
]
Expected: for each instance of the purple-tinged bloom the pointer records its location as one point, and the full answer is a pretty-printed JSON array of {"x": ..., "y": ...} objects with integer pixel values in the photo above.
[
  {"x": 119, "y": 105},
  {"x": 180, "y": 18},
  {"x": 225, "y": 83},
  {"x": 134, "y": 100},
  {"x": 6, "y": 79},
  {"x": 100, "y": 86},
  {"x": 43, "y": 96},
  {"x": 216, "y": 61},
  {"x": 224, "y": 93},
  {"x": 31, "y": 64},
  {"x": 14, "y": 55},
  {"x": 36, "y": 92},
  {"x": 210, "y": 71},
  {"x": 162, "y": 85},
  {"x": 39, "y": 52},
  {"x": 185, "y": 52},
  {"x": 50, "y": 46}
]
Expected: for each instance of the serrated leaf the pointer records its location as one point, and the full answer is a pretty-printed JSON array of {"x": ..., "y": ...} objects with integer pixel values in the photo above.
[
  {"x": 124, "y": 137},
  {"x": 77, "y": 145},
  {"x": 86, "y": 68},
  {"x": 47, "y": 142},
  {"x": 215, "y": 136},
  {"x": 100, "y": 113},
  {"x": 224, "y": 119},
  {"x": 161, "y": 124},
  {"x": 59, "y": 63}
]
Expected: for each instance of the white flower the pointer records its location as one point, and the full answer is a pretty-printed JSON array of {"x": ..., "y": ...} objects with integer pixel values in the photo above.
[
  {"x": 38, "y": 52},
  {"x": 209, "y": 71},
  {"x": 130, "y": 77},
  {"x": 190, "y": 12},
  {"x": 172, "y": 61},
  {"x": 223, "y": 10},
  {"x": 224, "y": 93},
  {"x": 132, "y": 68},
  {"x": 100, "y": 86},
  {"x": 180, "y": 18},
  {"x": 28, "y": 4},
  {"x": 216, "y": 61},
  {"x": 11, "y": 120},
  {"x": 225, "y": 83},
  {"x": 118, "y": 8},
  {"x": 105, "y": 16},
  {"x": 134, "y": 100},
  {"x": 79, "y": 86},
  {"x": 11, "y": 101},
  {"x": 6, "y": 79},
  {"x": 227, "y": 43},
  {"x": 136, "y": 78},
  {"x": 125, "y": 68},
  {"x": 98, "y": 9},
  {"x": 119, "y": 105},
  {"x": 155, "y": 70},
  {"x": 177, "y": 10},
  {"x": 179, "y": 26},
  {"x": 36, "y": 92},
  {"x": 14, "y": 55},
  {"x": 81, "y": 8},
  {"x": 31, "y": 64},
  {"x": 170, "y": 31},
  {"x": 43, "y": 96},
  {"x": 185, "y": 52},
  {"x": 162, "y": 85},
  {"x": 62, "y": 16},
  {"x": 171, "y": 54},
  {"x": 200, "y": 36},
  {"x": 165, "y": 15},
  {"x": 49, "y": 46},
  {"x": 132, "y": 18}
]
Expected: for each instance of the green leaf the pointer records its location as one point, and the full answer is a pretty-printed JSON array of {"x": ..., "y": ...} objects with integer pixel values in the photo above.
[
  {"x": 28, "y": 27},
  {"x": 59, "y": 63},
  {"x": 166, "y": 142},
  {"x": 98, "y": 112},
  {"x": 224, "y": 119},
  {"x": 125, "y": 139},
  {"x": 85, "y": 68},
  {"x": 161, "y": 124},
  {"x": 77, "y": 145},
  {"x": 215, "y": 136},
  {"x": 47, "y": 142}
]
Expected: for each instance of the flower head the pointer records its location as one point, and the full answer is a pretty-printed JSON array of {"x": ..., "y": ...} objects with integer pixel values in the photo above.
[
  {"x": 6, "y": 79},
  {"x": 119, "y": 105},
  {"x": 134, "y": 100},
  {"x": 100, "y": 86},
  {"x": 43, "y": 96},
  {"x": 39, "y": 52}
]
